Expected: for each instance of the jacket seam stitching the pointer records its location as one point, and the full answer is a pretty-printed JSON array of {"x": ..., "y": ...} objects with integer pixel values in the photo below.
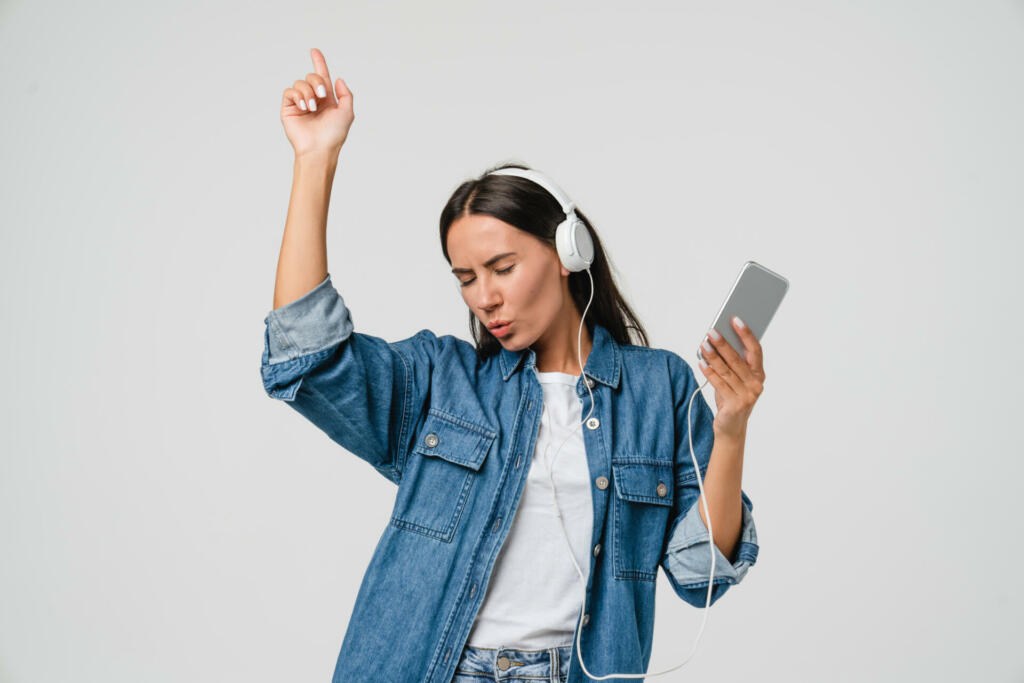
[{"x": 406, "y": 399}]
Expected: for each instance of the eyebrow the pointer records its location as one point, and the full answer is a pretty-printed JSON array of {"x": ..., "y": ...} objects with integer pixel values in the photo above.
[{"x": 490, "y": 261}]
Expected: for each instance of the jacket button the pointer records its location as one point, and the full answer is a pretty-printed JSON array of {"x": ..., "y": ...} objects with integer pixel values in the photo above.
[
  {"x": 431, "y": 440},
  {"x": 602, "y": 483},
  {"x": 503, "y": 663},
  {"x": 590, "y": 382},
  {"x": 597, "y": 549},
  {"x": 662, "y": 489},
  {"x": 593, "y": 423},
  {"x": 586, "y": 619}
]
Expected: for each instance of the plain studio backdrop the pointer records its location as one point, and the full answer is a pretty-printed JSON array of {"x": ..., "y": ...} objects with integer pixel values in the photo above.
[{"x": 163, "y": 519}]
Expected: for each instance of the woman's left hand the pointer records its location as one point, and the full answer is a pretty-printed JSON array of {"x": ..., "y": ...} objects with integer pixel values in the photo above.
[{"x": 738, "y": 382}]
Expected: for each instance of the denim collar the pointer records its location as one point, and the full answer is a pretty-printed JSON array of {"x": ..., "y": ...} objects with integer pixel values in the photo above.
[{"x": 603, "y": 363}]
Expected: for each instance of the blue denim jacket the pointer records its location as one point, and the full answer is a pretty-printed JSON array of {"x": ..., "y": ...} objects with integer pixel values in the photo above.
[{"x": 457, "y": 437}]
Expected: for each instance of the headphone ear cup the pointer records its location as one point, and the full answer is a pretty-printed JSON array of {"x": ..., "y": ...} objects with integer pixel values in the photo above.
[
  {"x": 563, "y": 246},
  {"x": 575, "y": 246},
  {"x": 584, "y": 243}
]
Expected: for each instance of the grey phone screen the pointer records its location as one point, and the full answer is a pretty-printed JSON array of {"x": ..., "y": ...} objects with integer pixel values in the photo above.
[{"x": 755, "y": 296}]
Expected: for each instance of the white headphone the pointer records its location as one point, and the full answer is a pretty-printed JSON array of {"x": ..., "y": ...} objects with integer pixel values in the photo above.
[
  {"x": 576, "y": 251},
  {"x": 575, "y": 246}
]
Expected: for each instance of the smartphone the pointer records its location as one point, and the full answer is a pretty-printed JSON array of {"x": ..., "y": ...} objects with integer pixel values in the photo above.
[{"x": 754, "y": 297}]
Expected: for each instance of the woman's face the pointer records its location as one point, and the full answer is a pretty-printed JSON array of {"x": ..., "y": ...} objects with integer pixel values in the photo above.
[{"x": 527, "y": 285}]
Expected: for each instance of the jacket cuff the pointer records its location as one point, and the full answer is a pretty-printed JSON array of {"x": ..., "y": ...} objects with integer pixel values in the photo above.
[
  {"x": 315, "y": 321},
  {"x": 688, "y": 557}
]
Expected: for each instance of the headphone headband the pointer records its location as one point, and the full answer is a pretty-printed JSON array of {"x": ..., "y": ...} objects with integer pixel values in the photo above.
[{"x": 568, "y": 207}]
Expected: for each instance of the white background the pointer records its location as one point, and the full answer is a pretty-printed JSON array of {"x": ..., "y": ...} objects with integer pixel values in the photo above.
[{"x": 162, "y": 519}]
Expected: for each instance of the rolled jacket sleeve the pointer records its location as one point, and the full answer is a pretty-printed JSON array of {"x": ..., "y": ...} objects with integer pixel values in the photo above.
[
  {"x": 364, "y": 392},
  {"x": 687, "y": 550},
  {"x": 688, "y": 557},
  {"x": 300, "y": 335}
]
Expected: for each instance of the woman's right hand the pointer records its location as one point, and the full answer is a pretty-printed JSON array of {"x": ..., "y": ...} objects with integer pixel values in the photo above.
[{"x": 323, "y": 129}]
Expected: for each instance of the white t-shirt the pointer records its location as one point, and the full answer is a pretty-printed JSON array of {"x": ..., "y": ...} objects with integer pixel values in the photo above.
[{"x": 534, "y": 594}]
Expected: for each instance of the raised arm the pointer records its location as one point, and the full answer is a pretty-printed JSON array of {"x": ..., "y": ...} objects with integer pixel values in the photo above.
[
  {"x": 364, "y": 392},
  {"x": 316, "y": 116}
]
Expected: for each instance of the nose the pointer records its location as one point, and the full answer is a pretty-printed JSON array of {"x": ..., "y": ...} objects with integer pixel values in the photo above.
[{"x": 489, "y": 296}]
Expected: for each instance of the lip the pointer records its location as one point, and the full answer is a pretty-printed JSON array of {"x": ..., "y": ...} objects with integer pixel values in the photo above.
[{"x": 501, "y": 329}]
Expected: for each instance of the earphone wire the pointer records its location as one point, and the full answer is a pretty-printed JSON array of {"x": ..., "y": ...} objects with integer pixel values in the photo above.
[
  {"x": 558, "y": 512},
  {"x": 569, "y": 208}
]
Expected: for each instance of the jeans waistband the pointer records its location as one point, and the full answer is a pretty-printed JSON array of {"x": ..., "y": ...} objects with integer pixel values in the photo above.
[{"x": 545, "y": 664}]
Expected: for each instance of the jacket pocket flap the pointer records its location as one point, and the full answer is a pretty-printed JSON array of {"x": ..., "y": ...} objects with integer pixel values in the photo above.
[
  {"x": 454, "y": 439},
  {"x": 650, "y": 482}
]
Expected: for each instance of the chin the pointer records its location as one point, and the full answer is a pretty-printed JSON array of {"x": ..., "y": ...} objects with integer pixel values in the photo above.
[{"x": 511, "y": 345}]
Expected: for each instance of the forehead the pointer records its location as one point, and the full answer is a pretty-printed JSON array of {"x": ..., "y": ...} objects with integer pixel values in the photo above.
[{"x": 474, "y": 239}]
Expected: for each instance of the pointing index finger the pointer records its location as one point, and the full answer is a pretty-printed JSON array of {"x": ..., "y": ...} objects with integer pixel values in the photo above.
[{"x": 320, "y": 64}]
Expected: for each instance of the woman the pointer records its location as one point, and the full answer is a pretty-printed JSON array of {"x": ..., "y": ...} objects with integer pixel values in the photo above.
[{"x": 479, "y": 572}]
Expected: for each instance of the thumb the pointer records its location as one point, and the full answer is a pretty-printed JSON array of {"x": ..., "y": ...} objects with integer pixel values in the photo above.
[{"x": 342, "y": 91}]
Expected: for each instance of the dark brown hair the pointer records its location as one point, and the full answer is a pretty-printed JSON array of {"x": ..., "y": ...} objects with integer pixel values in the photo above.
[{"x": 529, "y": 207}]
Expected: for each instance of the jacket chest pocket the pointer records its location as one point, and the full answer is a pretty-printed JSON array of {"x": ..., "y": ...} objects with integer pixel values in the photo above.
[
  {"x": 643, "y": 502},
  {"x": 442, "y": 468}
]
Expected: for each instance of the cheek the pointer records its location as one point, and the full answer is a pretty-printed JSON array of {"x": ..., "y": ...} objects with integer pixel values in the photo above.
[{"x": 531, "y": 288}]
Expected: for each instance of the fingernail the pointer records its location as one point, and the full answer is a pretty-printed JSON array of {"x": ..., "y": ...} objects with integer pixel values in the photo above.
[
  {"x": 321, "y": 91},
  {"x": 312, "y": 105},
  {"x": 714, "y": 334},
  {"x": 302, "y": 103},
  {"x": 739, "y": 323},
  {"x": 707, "y": 347}
]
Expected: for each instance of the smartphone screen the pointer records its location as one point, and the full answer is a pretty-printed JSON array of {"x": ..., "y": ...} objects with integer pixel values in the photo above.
[{"x": 754, "y": 297}]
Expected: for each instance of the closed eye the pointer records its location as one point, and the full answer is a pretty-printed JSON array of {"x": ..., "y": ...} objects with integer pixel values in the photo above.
[{"x": 504, "y": 271}]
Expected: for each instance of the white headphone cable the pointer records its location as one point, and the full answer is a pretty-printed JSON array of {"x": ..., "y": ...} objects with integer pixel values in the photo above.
[{"x": 565, "y": 533}]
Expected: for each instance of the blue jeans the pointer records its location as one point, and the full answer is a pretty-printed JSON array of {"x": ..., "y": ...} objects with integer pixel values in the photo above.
[{"x": 481, "y": 664}]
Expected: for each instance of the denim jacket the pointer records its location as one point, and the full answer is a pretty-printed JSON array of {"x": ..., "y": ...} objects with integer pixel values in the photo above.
[{"x": 456, "y": 435}]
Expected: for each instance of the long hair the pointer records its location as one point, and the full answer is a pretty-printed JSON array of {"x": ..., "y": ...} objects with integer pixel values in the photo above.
[{"x": 529, "y": 207}]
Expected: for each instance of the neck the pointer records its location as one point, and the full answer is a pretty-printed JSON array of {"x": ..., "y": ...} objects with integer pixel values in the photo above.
[{"x": 557, "y": 348}]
